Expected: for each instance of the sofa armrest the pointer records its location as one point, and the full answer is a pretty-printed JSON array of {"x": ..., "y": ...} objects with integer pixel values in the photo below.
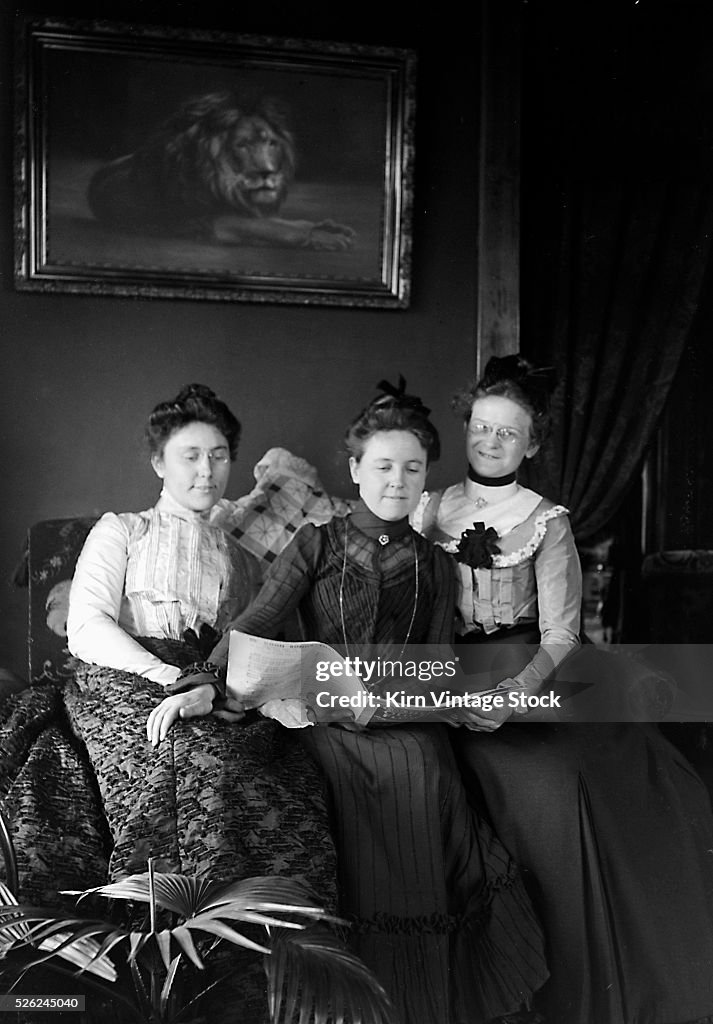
[{"x": 53, "y": 548}]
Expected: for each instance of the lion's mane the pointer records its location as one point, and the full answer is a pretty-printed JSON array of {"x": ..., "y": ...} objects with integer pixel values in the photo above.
[{"x": 212, "y": 156}]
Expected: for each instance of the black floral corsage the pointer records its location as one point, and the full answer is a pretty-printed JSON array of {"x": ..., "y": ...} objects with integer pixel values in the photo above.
[
  {"x": 203, "y": 642},
  {"x": 477, "y": 547}
]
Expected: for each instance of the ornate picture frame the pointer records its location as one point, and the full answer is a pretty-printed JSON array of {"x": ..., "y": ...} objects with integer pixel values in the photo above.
[{"x": 172, "y": 163}]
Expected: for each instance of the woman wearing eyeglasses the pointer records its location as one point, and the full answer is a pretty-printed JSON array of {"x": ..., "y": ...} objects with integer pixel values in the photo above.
[
  {"x": 151, "y": 592},
  {"x": 520, "y": 576},
  {"x": 611, "y": 826}
]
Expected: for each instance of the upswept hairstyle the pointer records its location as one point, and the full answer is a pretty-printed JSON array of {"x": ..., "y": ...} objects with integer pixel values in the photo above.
[
  {"x": 194, "y": 403},
  {"x": 515, "y": 378},
  {"x": 393, "y": 410}
]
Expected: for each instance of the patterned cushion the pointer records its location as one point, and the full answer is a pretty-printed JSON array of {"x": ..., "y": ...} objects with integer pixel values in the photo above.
[{"x": 287, "y": 493}]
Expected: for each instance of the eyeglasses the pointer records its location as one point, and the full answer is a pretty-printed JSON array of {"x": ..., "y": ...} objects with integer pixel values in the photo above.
[
  {"x": 218, "y": 458},
  {"x": 507, "y": 435}
]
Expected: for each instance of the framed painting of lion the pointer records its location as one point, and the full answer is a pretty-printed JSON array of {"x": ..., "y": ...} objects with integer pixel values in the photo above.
[{"x": 164, "y": 162}]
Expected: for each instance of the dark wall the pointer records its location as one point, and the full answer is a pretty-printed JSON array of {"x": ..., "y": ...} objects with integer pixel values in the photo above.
[{"x": 81, "y": 373}]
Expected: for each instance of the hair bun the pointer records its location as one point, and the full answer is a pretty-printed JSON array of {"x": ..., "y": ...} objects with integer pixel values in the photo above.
[
  {"x": 398, "y": 395},
  {"x": 195, "y": 403},
  {"x": 536, "y": 382},
  {"x": 393, "y": 410},
  {"x": 519, "y": 370},
  {"x": 194, "y": 391}
]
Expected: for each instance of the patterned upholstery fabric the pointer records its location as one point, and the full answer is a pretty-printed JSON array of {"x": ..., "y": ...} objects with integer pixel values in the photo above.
[{"x": 53, "y": 547}]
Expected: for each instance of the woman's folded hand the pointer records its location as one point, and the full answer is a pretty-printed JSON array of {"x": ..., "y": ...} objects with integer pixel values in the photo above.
[
  {"x": 480, "y": 720},
  {"x": 188, "y": 704},
  {"x": 229, "y": 709}
]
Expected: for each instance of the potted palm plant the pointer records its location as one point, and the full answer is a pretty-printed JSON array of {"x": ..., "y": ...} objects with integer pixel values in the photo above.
[{"x": 155, "y": 972}]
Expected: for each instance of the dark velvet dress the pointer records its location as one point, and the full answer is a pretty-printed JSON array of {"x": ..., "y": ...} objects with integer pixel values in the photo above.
[
  {"x": 437, "y": 905},
  {"x": 614, "y": 833}
]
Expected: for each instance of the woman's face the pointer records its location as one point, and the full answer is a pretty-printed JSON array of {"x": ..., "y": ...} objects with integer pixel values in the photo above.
[
  {"x": 194, "y": 466},
  {"x": 498, "y": 436},
  {"x": 391, "y": 473}
]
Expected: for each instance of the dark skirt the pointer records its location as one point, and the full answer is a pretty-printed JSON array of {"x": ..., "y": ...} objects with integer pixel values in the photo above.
[
  {"x": 49, "y": 793},
  {"x": 438, "y": 908},
  {"x": 614, "y": 833},
  {"x": 224, "y": 800},
  {"x": 90, "y": 800}
]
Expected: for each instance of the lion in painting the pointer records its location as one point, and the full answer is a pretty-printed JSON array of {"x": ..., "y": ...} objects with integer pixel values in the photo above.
[{"x": 214, "y": 170}]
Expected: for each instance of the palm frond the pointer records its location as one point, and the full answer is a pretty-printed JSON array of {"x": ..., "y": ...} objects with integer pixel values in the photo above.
[
  {"x": 140, "y": 989},
  {"x": 183, "y": 937},
  {"x": 270, "y": 894},
  {"x": 137, "y": 940},
  {"x": 168, "y": 984},
  {"x": 84, "y": 953},
  {"x": 182, "y": 894},
  {"x": 206, "y": 906},
  {"x": 189, "y": 896},
  {"x": 216, "y": 927},
  {"x": 112, "y": 939},
  {"x": 12, "y": 930},
  {"x": 311, "y": 972},
  {"x": 163, "y": 941},
  {"x": 71, "y": 938},
  {"x": 311, "y": 977}
]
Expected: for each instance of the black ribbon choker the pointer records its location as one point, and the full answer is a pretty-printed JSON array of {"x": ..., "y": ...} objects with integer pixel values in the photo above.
[{"x": 490, "y": 481}]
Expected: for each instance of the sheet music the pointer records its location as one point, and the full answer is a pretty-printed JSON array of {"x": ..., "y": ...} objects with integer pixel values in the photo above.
[
  {"x": 287, "y": 681},
  {"x": 266, "y": 673}
]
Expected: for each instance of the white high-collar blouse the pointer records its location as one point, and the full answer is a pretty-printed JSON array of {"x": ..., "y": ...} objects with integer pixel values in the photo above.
[
  {"x": 155, "y": 573},
  {"x": 536, "y": 578}
]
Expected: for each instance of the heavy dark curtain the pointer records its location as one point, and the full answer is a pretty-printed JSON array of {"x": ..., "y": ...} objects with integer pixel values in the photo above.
[
  {"x": 624, "y": 292},
  {"x": 617, "y": 221}
]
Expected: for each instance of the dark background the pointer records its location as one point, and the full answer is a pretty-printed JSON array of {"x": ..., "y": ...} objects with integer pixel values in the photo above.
[
  {"x": 621, "y": 94},
  {"x": 615, "y": 88},
  {"x": 336, "y": 113},
  {"x": 82, "y": 373}
]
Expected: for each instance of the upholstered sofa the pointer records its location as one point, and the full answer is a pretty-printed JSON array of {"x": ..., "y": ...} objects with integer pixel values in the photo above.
[{"x": 287, "y": 493}]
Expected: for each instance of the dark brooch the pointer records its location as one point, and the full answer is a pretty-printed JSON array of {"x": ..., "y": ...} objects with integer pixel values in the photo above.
[{"x": 477, "y": 547}]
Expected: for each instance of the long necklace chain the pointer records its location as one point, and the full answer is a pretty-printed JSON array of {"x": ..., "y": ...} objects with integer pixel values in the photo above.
[{"x": 341, "y": 592}]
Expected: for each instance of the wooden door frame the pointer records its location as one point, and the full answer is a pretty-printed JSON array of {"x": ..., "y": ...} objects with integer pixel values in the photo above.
[{"x": 498, "y": 272}]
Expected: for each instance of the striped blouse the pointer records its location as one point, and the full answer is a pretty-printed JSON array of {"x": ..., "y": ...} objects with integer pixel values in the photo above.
[{"x": 156, "y": 573}]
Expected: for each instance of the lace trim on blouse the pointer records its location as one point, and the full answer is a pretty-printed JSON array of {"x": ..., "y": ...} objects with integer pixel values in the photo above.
[
  {"x": 419, "y": 512},
  {"x": 528, "y": 549}
]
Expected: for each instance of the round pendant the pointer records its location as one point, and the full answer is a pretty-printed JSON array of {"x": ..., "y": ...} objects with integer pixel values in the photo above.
[{"x": 384, "y": 539}]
